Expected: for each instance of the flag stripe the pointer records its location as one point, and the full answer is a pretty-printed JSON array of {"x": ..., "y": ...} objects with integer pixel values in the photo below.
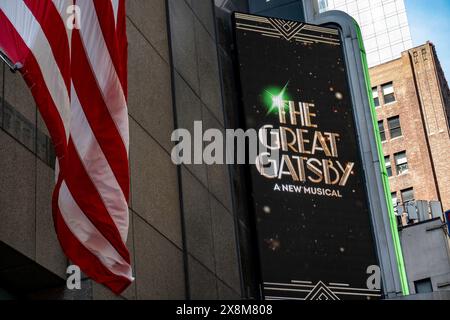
[
  {"x": 89, "y": 236},
  {"x": 75, "y": 251},
  {"x": 98, "y": 168},
  {"x": 11, "y": 42},
  {"x": 31, "y": 33},
  {"x": 122, "y": 44},
  {"x": 107, "y": 23},
  {"x": 98, "y": 116},
  {"x": 54, "y": 30},
  {"x": 89, "y": 200},
  {"x": 103, "y": 68},
  {"x": 62, "y": 8},
  {"x": 115, "y": 4},
  {"x": 35, "y": 81}
]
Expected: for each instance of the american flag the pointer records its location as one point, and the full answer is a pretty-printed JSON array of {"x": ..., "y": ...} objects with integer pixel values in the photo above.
[{"x": 73, "y": 56}]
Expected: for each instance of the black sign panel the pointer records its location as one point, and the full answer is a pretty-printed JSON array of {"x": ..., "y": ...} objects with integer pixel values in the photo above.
[{"x": 313, "y": 220}]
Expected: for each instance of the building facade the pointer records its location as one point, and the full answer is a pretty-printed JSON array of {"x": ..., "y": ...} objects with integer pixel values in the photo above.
[
  {"x": 426, "y": 249},
  {"x": 384, "y": 25},
  {"x": 412, "y": 100}
]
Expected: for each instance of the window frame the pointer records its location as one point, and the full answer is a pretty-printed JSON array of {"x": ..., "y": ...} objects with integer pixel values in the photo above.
[
  {"x": 421, "y": 283},
  {"x": 402, "y": 193},
  {"x": 382, "y": 132},
  {"x": 388, "y": 163},
  {"x": 398, "y": 166},
  {"x": 390, "y": 94},
  {"x": 376, "y": 99},
  {"x": 393, "y": 129}
]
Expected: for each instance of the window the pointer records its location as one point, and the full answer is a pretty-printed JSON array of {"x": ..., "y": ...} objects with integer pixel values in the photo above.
[
  {"x": 408, "y": 195},
  {"x": 416, "y": 57},
  {"x": 387, "y": 161},
  {"x": 401, "y": 163},
  {"x": 423, "y": 286},
  {"x": 382, "y": 131},
  {"x": 376, "y": 97},
  {"x": 394, "y": 127},
  {"x": 424, "y": 54},
  {"x": 388, "y": 93},
  {"x": 323, "y": 5}
]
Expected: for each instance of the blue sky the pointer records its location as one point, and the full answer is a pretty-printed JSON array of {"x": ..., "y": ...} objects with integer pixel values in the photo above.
[{"x": 430, "y": 20}]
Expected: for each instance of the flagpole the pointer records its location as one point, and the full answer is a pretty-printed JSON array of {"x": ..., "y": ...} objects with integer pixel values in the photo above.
[{"x": 8, "y": 62}]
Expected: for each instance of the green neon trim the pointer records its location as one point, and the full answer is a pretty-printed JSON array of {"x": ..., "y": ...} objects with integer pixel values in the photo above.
[{"x": 384, "y": 175}]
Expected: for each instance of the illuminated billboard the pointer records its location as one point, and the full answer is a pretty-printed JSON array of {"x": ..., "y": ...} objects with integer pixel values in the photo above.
[{"x": 311, "y": 209}]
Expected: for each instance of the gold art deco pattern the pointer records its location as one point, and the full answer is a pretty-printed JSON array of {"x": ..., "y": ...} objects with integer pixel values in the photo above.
[{"x": 289, "y": 30}]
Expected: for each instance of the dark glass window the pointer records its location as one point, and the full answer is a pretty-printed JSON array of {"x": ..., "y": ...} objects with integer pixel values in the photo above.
[
  {"x": 382, "y": 131},
  {"x": 395, "y": 128},
  {"x": 388, "y": 93},
  {"x": 423, "y": 286},
  {"x": 284, "y": 9},
  {"x": 408, "y": 195},
  {"x": 401, "y": 163},
  {"x": 387, "y": 161},
  {"x": 376, "y": 97}
]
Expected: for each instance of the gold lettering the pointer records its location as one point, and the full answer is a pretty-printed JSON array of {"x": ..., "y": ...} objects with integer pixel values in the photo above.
[
  {"x": 302, "y": 141},
  {"x": 286, "y": 160},
  {"x": 332, "y": 137},
  {"x": 285, "y": 144},
  {"x": 327, "y": 167},
  {"x": 346, "y": 172},
  {"x": 301, "y": 167},
  {"x": 319, "y": 139},
  {"x": 282, "y": 113},
  {"x": 309, "y": 115},
  {"x": 315, "y": 170}
]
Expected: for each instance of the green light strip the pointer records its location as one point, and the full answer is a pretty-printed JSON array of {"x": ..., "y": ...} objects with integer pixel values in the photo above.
[{"x": 384, "y": 175}]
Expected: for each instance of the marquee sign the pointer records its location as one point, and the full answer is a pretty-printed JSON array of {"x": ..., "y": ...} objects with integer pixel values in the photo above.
[{"x": 313, "y": 221}]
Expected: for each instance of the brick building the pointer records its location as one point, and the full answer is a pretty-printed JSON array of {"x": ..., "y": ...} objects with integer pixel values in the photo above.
[{"x": 413, "y": 107}]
